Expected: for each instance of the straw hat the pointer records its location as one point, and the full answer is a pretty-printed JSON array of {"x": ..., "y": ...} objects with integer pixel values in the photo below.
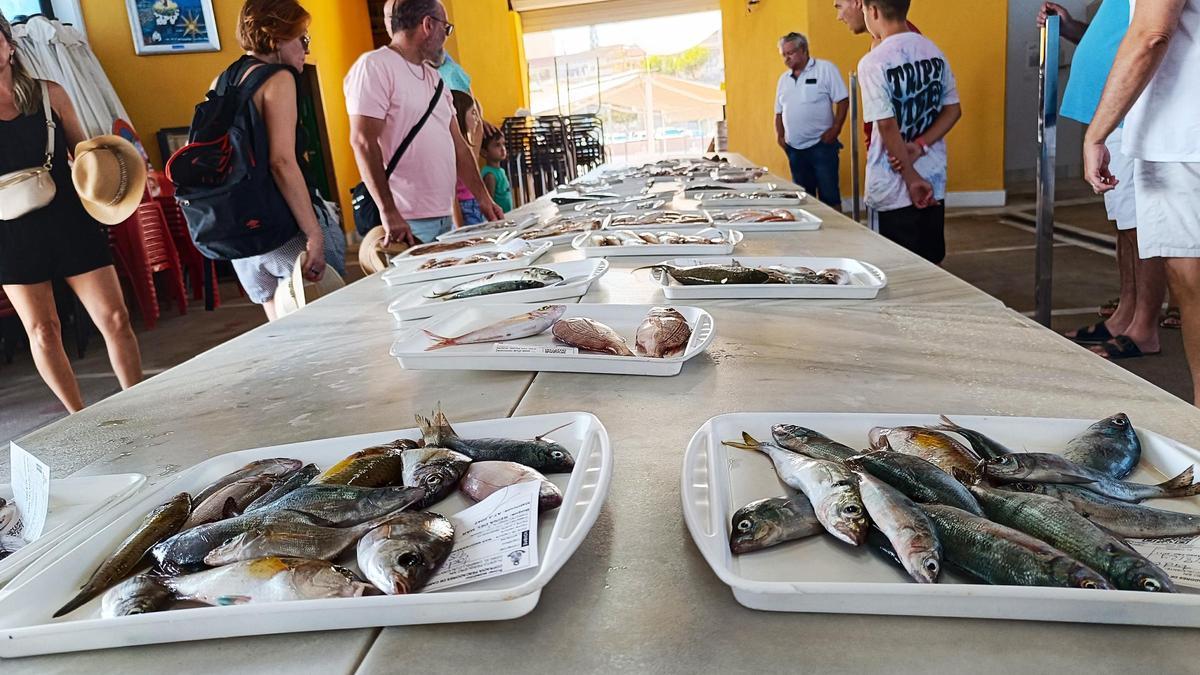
[
  {"x": 372, "y": 255},
  {"x": 295, "y": 292},
  {"x": 110, "y": 177}
]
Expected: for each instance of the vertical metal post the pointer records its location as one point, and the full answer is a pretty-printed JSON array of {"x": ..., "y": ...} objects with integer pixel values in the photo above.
[
  {"x": 557, "y": 87},
  {"x": 855, "y": 160},
  {"x": 1048, "y": 140}
]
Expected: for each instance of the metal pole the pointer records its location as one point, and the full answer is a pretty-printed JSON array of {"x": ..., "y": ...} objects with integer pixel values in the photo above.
[
  {"x": 855, "y": 160},
  {"x": 557, "y": 86},
  {"x": 1048, "y": 140}
]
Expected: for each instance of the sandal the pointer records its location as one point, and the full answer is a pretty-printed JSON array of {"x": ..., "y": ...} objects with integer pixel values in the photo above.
[
  {"x": 1172, "y": 319},
  {"x": 1094, "y": 334},
  {"x": 1121, "y": 347},
  {"x": 1109, "y": 308}
]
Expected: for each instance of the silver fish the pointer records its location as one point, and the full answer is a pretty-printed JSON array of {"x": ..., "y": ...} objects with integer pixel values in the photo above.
[
  {"x": 1120, "y": 518},
  {"x": 530, "y": 277},
  {"x": 1044, "y": 467},
  {"x": 401, "y": 555},
  {"x": 276, "y": 466},
  {"x": 906, "y": 526},
  {"x": 767, "y": 522},
  {"x": 934, "y": 447},
  {"x": 482, "y": 479},
  {"x": 1110, "y": 446},
  {"x": 230, "y": 500},
  {"x": 267, "y": 580},
  {"x": 291, "y": 539},
  {"x": 663, "y": 333},
  {"x": 512, "y": 328},
  {"x": 435, "y": 470}
]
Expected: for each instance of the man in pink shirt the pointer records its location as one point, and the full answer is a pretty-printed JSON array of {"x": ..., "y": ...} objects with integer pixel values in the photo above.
[{"x": 387, "y": 92}]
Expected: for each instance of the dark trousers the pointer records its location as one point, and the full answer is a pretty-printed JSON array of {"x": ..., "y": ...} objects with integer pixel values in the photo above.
[
  {"x": 816, "y": 170},
  {"x": 922, "y": 231}
]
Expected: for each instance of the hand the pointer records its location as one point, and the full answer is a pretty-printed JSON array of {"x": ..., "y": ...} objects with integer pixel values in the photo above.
[
  {"x": 920, "y": 191},
  {"x": 491, "y": 210},
  {"x": 915, "y": 152},
  {"x": 1096, "y": 172},
  {"x": 1049, "y": 8},
  {"x": 489, "y": 129},
  {"x": 314, "y": 260},
  {"x": 782, "y": 142},
  {"x": 830, "y": 136},
  {"x": 396, "y": 230}
]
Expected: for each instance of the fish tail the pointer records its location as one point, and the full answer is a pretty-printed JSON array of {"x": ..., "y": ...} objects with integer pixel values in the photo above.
[
  {"x": 85, "y": 595},
  {"x": 946, "y": 425},
  {"x": 749, "y": 443},
  {"x": 1183, "y": 480},
  {"x": 1181, "y": 490},
  {"x": 440, "y": 342}
]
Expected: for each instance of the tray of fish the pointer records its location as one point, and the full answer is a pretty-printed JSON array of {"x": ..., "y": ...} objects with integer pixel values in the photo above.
[
  {"x": 766, "y": 277},
  {"x": 586, "y": 338},
  {"x": 767, "y": 220},
  {"x": 991, "y": 517},
  {"x": 477, "y": 260},
  {"x": 493, "y": 228},
  {"x": 657, "y": 220},
  {"x": 302, "y": 537},
  {"x": 553, "y": 281},
  {"x": 76, "y": 504},
  {"x": 633, "y": 204},
  {"x": 694, "y": 186},
  {"x": 724, "y": 199},
  {"x": 562, "y": 229},
  {"x": 676, "y": 241}
]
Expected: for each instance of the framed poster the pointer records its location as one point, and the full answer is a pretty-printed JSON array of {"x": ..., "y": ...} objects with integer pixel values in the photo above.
[{"x": 172, "y": 26}]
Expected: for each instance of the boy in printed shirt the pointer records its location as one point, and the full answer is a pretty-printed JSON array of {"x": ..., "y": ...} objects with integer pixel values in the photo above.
[{"x": 909, "y": 93}]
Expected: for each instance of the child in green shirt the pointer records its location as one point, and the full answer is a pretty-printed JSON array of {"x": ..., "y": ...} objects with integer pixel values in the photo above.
[{"x": 494, "y": 152}]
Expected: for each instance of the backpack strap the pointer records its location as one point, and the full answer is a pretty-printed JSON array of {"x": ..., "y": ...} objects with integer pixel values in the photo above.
[
  {"x": 234, "y": 74},
  {"x": 259, "y": 76}
]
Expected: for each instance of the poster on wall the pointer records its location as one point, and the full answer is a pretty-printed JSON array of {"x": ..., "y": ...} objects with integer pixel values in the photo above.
[{"x": 173, "y": 26}]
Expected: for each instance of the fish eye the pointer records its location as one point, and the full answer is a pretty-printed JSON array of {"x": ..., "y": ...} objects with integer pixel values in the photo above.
[
  {"x": 744, "y": 525},
  {"x": 932, "y": 566},
  {"x": 1088, "y": 583},
  {"x": 1151, "y": 585},
  {"x": 1120, "y": 421},
  {"x": 433, "y": 479},
  {"x": 557, "y": 454},
  {"x": 409, "y": 559},
  {"x": 851, "y": 510},
  {"x": 1025, "y": 487}
]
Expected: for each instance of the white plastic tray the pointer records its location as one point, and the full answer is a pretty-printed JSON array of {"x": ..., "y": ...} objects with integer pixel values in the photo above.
[
  {"x": 695, "y": 186},
  {"x": 414, "y": 303},
  {"x": 804, "y": 222},
  {"x": 406, "y": 271},
  {"x": 499, "y": 237},
  {"x": 866, "y": 280},
  {"x": 494, "y": 228},
  {"x": 568, "y": 237},
  {"x": 792, "y": 198},
  {"x": 820, "y": 574},
  {"x": 733, "y": 238},
  {"x": 613, "y": 223},
  {"x": 27, "y": 629},
  {"x": 409, "y": 349},
  {"x": 76, "y": 505}
]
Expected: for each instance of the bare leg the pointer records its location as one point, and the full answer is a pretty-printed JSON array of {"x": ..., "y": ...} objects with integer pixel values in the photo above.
[
  {"x": 100, "y": 293},
  {"x": 35, "y": 305},
  {"x": 269, "y": 308},
  {"x": 1183, "y": 274},
  {"x": 1151, "y": 287},
  {"x": 1127, "y": 266}
]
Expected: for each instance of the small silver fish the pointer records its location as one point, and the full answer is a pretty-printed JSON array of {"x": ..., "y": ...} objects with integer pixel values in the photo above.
[
  {"x": 401, "y": 555},
  {"x": 512, "y": 328},
  {"x": 484, "y": 478}
]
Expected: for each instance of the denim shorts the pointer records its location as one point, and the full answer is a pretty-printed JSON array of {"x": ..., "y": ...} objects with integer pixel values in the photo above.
[
  {"x": 472, "y": 214},
  {"x": 427, "y": 229}
]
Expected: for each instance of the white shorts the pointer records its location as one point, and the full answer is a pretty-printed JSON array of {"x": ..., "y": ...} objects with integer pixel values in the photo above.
[
  {"x": 1121, "y": 202},
  {"x": 1168, "y": 209}
]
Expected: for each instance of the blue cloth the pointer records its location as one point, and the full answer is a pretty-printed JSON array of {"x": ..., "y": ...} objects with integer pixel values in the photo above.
[
  {"x": 472, "y": 214},
  {"x": 455, "y": 77},
  {"x": 427, "y": 229},
  {"x": 816, "y": 170},
  {"x": 1094, "y": 59}
]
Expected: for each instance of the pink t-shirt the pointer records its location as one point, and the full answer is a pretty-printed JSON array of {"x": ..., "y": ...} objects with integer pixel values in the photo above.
[{"x": 383, "y": 85}]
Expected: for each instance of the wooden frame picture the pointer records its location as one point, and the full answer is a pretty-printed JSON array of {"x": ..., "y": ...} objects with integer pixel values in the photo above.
[{"x": 172, "y": 26}]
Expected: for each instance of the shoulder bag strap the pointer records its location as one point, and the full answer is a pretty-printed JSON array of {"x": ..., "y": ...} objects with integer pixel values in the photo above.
[
  {"x": 49, "y": 113},
  {"x": 412, "y": 133}
]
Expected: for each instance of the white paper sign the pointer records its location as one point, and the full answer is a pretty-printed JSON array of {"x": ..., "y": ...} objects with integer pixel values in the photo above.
[
  {"x": 1179, "y": 557},
  {"x": 31, "y": 491},
  {"x": 495, "y": 537},
  {"x": 553, "y": 350}
]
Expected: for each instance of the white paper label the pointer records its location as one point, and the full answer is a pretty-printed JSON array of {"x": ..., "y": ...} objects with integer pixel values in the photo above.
[
  {"x": 552, "y": 350},
  {"x": 1178, "y": 556},
  {"x": 31, "y": 491},
  {"x": 495, "y": 537}
]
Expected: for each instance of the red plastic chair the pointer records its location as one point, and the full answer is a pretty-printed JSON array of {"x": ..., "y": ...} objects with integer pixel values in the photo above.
[
  {"x": 161, "y": 254},
  {"x": 129, "y": 256}
]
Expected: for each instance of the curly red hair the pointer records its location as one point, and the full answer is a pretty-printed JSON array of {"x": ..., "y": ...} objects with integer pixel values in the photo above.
[{"x": 264, "y": 24}]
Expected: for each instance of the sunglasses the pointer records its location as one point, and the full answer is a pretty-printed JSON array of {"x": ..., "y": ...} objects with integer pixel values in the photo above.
[
  {"x": 305, "y": 42},
  {"x": 449, "y": 26}
]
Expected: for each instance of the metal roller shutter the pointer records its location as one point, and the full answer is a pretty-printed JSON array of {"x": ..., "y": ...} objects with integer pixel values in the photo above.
[{"x": 543, "y": 15}]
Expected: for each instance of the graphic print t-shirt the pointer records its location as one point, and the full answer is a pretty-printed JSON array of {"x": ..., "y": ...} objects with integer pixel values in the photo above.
[{"x": 907, "y": 78}]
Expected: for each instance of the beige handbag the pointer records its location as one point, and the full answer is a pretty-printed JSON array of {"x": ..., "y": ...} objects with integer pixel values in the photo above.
[{"x": 30, "y": 189}]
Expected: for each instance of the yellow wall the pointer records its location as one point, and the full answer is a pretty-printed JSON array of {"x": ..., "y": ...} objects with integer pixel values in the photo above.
[
  {"x": 161, "y": 91},
  {"x": 488, "y": 43},
  {"x": 972, "y": 34}
]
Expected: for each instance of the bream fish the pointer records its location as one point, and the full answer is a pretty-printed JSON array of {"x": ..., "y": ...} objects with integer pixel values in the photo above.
[{"x": 401, "y": 555}]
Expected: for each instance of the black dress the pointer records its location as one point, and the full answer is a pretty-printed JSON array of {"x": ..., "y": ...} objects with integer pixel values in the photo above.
[{"x": 60, "y": 240}]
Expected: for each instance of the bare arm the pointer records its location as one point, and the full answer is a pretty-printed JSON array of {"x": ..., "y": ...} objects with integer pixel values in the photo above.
[
  {"x": 919, "y": 189},
  {"x": 780, "y": 136},
  {"x": 278, "y": 102},
  {"x": 942, "y": 125},
  {"x": 468, "y": 173},
  {"x": 72, "y": 128},
  {"x": 1069, "y": 28},
  {"x": 489, "y": 182},
  {"x": 840, "y": 109},
  {"x": 364, "y": 138}
]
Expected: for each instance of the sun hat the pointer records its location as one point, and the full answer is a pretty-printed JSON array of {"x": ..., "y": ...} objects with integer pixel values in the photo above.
[
  {"x": 295, "y": 292},
  {"x": 373, "y": 255},
  {"x": 110, "y": 177}
]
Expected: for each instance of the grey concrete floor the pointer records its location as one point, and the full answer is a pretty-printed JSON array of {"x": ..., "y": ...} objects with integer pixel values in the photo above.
[{"x": 990, "y": 248}]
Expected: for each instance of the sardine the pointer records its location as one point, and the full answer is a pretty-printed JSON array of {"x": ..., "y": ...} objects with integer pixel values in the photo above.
[
  {"x": 663, "y": 333},
  {"x": 512, "y": 328},
  {"x": 482, "y": 479},
  {"x": 712, "y": 275},
  {"x": 590, "y": 335},
  {"x": 291, "y": 539},
  {"x": 298, "y": 478},
  {"x": 230, "y": 500},
  {"x": 1001, "y": 555},
  {"x": 435, "y": 470},
  {"x": 1044, "y": 467},
  {"x": 768, "y": 522},
  {"x": 1057, "y": 524},
  {"x": 160, "y": 524},
  {"x": 1120, "y": 518},
  {"x": 916, "y": 478},
  {"x": 1110, "y": 446},
  {"x": 829, "y": 486},
  {"x": 905, "y": 525},
  {"x": 401, "y": 555},
  {"x": 277, "y": 466},
  {"x": 267, "y": 580},
  {"x": 932, "y": 446},
  {"x": 983, "y": 446},
  {"x": 811, "y": 443},
  {"x": 540, "y": 453},
  {"x": 378, "y": 466}
]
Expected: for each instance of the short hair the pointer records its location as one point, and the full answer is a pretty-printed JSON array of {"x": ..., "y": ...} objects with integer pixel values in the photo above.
[
  {"x": 408, "y": 14},
  {"x": 892, "y": 10},
  {"x": 488, "y": 139},
  {"x": 265, "y": 24},
  {"x": 795, "y": 38}
]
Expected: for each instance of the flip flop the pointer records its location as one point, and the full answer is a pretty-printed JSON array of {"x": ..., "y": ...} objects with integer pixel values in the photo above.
[
  {"x": 1122, "y": 347},
  {"x": 1172, "y": 319},
  {"x": 1094, "y": 334},
  {"x": 1109, "y": 308}
]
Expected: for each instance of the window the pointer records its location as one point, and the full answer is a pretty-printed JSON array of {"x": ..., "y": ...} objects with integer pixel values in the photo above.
[{"x": 15, "y": 9}]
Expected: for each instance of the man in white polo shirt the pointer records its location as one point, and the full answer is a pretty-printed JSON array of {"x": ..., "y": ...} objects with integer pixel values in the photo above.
[
  {"x": 1153, "y": 86},
  {"x": 811, "y": 102}
]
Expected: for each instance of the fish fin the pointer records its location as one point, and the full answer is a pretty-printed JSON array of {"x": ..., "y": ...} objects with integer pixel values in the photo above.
[
  {"x": 85, "y": 595},
  {"x": 980, "y": 472},
  {"x": 964, "y": 477},
  {"x": 229, "y": 509},
  {"x": 226, "y": 600},
  {"x": 442, "y": 424},
  {"x": 440, "y": 342},
  {"x": 749, "y": 443},
  {"x": 1183, "y": 480},
  {"x": 540, "y": 437}
]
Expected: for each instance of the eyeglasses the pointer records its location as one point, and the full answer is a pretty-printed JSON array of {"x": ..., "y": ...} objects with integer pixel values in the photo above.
[
  {"x": 305, "y": 42},
  {"x": 449, "y": 26}
]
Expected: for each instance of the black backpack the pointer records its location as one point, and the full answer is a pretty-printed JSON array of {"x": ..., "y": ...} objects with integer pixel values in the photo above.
[{"x": 222, "y": 177}]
